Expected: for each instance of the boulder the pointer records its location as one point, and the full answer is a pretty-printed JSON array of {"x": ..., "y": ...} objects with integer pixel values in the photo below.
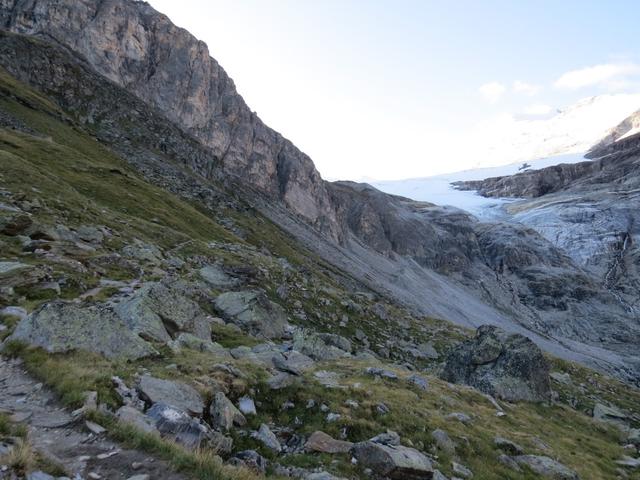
[
  {"x": 387, "y": 438},
  {"x": 250, "y": 459},
  {"x": 157, "y": 312},
  {"x": 247, "y": 406},
  {"x": 459, "y": 416},
  {"x": 60, "y": 327},
  {"x": 461, "y": 470},
  {"x": 321, "y": 476},
  {"x": 224, "y": 414},
  {"x": 320, "y": 346},
  {"x": 546, "y": 467},
  {"x": 634, "y": 437},
  {"x": 215, "y": 277},
  {"x": 321, "y": 442},
  {"x": 443, "y": 441},
  {"x": 381, "y": 373},
  {"x": 508, "y": 446},
  {"x": 610, "y": 414},
  {"x": 419, "y": 381},
  {"x": 267, "y": 438},
  {"x": 293, "y": 362},
  {"x": 136, "y": 418},
  {"x": 395, "y": 462},
  {"x": 189, "y": 432},
  {"x": 253, "y": 312},
  {"x": 501, "y": 364},
  {"x": 175, "y": 394},
  {"x": 190, "y": 341}
]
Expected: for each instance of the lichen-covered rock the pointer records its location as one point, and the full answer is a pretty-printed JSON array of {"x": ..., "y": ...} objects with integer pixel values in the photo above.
[
  {"x": 609, "y": 414},
  {"x": 320, "y": 346},
  {"x": 507, "y": 366},
  {"x": 216, "y": 277},
  {"x": 267, "y": 438},
  {"x": 136, "y": 418},
  {"x": 157, "y": 311},
  {"x": 190, "y": 341},
  {"x": 62, "y": 327},
  {"x": 175, "y": 394},
  {"x": 224, "y": 414},
  {"x": 394, "y": 462},
  {"x": 253, "y": 312}
]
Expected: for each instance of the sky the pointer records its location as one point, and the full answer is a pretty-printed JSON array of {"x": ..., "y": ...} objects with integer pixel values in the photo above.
[{"x": 398, "y": 89}]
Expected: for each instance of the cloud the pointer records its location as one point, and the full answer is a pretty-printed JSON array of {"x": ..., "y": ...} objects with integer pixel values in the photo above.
[
  {"x": 525, "y": 88},
  {"x": 611, "y": 76},
  {"x": 492, "y": 91},
  {"x": 537, "y": 109}
]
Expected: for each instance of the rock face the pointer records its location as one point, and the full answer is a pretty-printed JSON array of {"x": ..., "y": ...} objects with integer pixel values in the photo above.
[
  {"x": 394, "y": 462},
  {"x": 61, "y": 327},
  {"x": 253, "y": 312},
  {"x": 138, "y": 48},
  {"x": 438, "y": 260},
  {"x": 504, "y": 365}
]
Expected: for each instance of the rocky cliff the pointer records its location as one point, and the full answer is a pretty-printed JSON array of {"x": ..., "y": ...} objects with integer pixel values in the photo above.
[
  {"x": 181, "y": 110},
  {"x": 138, "y": 48}
]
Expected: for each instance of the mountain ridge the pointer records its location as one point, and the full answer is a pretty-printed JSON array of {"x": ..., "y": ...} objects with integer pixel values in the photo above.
[{"x": 439, "y": 261}]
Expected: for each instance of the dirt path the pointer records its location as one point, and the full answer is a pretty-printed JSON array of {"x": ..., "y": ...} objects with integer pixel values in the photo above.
[{"x": 55, "y": 433}]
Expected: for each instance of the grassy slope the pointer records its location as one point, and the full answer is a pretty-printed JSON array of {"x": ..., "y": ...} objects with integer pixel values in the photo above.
[{"x": 84, "y": 183}]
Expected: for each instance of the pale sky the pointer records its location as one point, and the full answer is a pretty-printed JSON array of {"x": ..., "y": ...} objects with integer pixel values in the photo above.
[{"x": 397, "y": 89}]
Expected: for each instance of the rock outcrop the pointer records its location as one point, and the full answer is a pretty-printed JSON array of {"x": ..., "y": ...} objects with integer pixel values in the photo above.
[
  {"x": 503, "y": 365},
  {"x": 393, "y": 461},
  {"x": 139, "y": 49},
  {"x": 61, "y": 327}
]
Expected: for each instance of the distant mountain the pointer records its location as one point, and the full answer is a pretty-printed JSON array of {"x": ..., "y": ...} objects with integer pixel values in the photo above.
[{"x": 573, "y": 130}]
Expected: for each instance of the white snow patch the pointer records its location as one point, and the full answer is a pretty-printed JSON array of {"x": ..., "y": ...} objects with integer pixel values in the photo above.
[{"x": 631, "y": 132}]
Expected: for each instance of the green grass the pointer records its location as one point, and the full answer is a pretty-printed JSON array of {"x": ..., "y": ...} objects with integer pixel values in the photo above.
[{"x": 201, "y": 464}]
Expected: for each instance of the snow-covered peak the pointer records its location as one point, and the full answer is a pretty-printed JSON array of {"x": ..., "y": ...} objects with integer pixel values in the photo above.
[{"x": 508, "y": 139}]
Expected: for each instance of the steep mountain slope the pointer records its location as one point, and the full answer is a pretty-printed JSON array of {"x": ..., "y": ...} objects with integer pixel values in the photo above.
[
  {"x": 454, "y": 267},
  {"x": 588, "y": 209},
  {"x": 87, "y": 211},
  {"x": 149, "y": 289}
]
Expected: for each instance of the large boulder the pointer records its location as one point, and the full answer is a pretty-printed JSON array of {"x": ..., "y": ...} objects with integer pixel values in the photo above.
[
  {"x": 253, "y": 312},
  {"x": 175, "y": 394},
  {"x": 178, "y": 426},
  {"x": 393, "y": 461},
  {"x": 505, "y": 365},
  {"x": 157, "y": 312},
  {"x": 321, "y": 346},
  {"x": 60, "y": 327}
]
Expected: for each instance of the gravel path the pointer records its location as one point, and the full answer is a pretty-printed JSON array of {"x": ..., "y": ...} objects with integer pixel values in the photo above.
[{"x": 55, "y": 433}]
